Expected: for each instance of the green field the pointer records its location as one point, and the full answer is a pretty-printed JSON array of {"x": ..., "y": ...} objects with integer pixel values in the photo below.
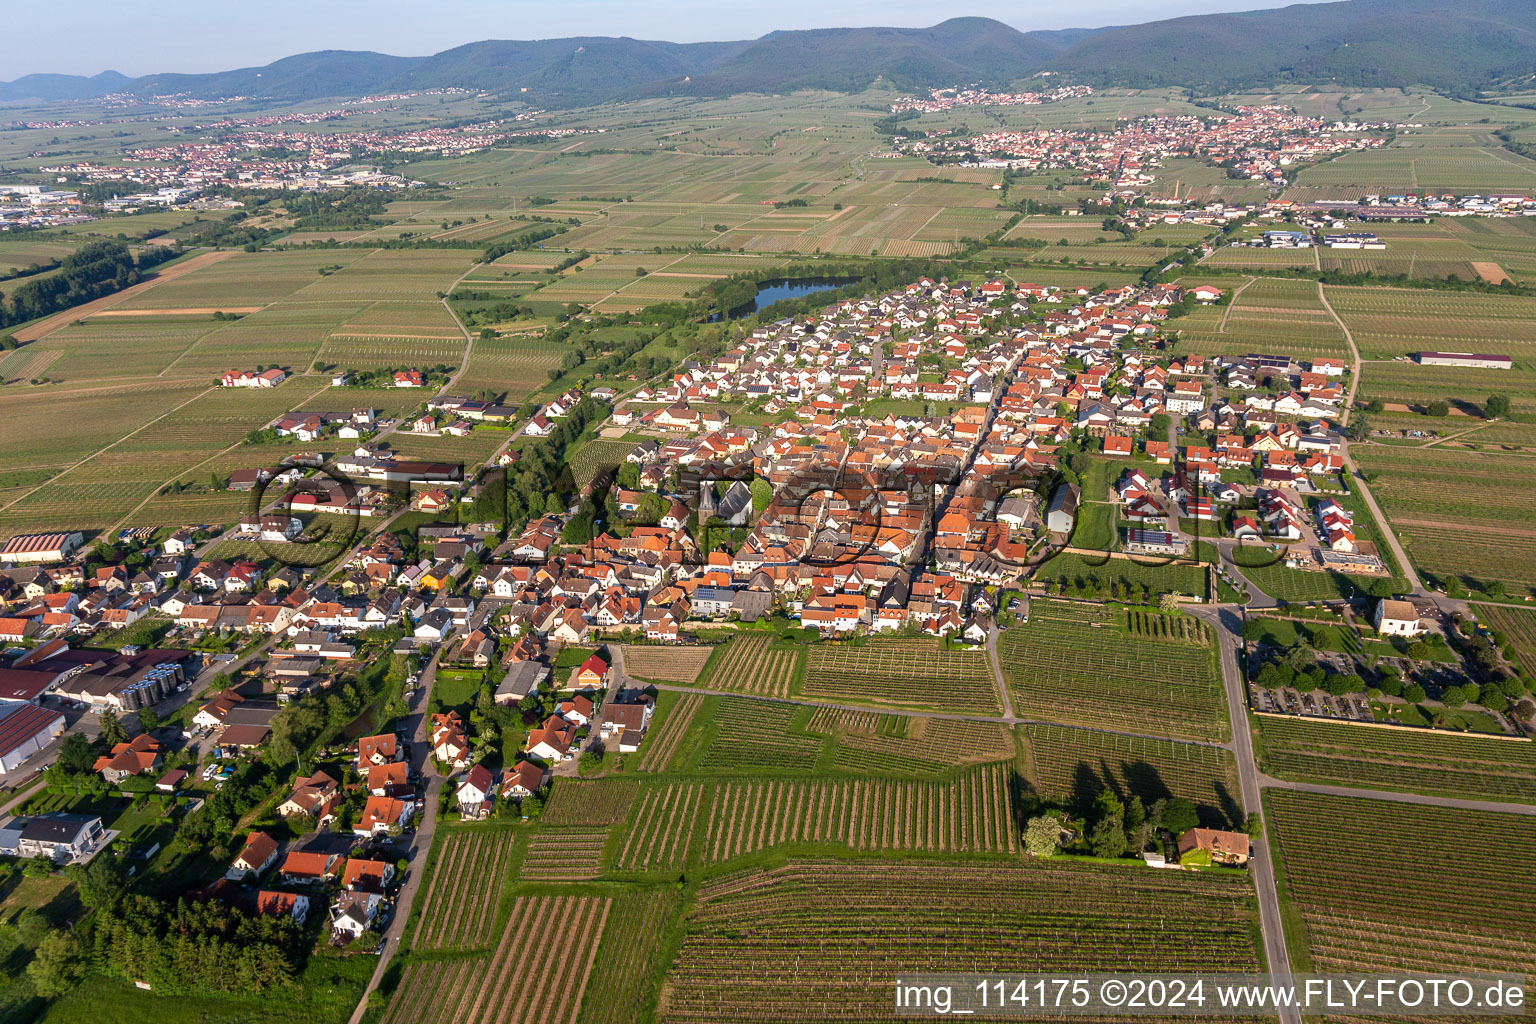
[
  {"x": 1416, "y": 760},
  {"x": 1364, "y": 907},
  {"x": 1080, "y": 664}
]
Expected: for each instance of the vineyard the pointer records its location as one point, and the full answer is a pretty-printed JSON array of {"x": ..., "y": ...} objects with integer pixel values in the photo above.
[
  {"x": 1418, "y": 760},
  {"x": 1519, "y": 628},
  {"x": 568, "y": 854},
  {"x": 970, "y": 815},
  {"x": 631, "y": 953},
  {"x": 821, "y": 940},
  {"x": 1081, "y": 763},
  {"x": 538, "y": 971},
  {"x": 754, "y": 735},
  {"x": 868, "y": 741},
  {"x": 1075, "y": 665},
  {"x": 920, "y": 672},
  {"x": 1370, "y": 880},
  {"x": 669, "y": 733},
  {"x": 753, "y": 663},
  {"x": 459, "y": 905},
  {"x": 667, "y": 664},
  {"x": 589, "y": 802},
  {"x": 663, "y": 828}
]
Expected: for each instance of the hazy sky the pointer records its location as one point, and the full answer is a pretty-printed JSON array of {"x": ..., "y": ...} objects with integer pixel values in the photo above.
[{"x": 87, "y": 36}]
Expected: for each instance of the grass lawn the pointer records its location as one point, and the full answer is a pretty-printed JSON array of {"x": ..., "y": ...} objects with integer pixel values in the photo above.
[{"x": 456, "y": 688}]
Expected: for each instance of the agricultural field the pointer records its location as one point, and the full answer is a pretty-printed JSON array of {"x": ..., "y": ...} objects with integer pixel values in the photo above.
[
  {"x": 742, "y": 735},
  {"x": 568, "y": 854},
  {"x": 817, "y": 933},
  {"x": 1417, "y": 760},
  {"x": 917, "y": 672},
  {"x": 753, "y": 663},
  {"x": 1519, "y": 628},
  {"x": 631, "y": 954},
  {"x": 874, "y": 743},
  {"x": 667, "y": 734},
  {"x": 1456, "y": 512},
  {"x": 1457, "y": 159},
  {"x": 1406, "y": 386},
  {"x": 662, "y": 828},
  {"x": 595, "y": 457},
  {"x": 1365, "y": 907},
  {"x": 969, "y": 814},
  {"x": 1081, "y": 763},
  {"x": 460, "y": 902},
  {"x": 666, "y": 664},
  {"x": 1272, "y": 315},
  {"x": 526, "y": 977},
  {"x": 1390, "y": 322},
  {"x": 589, "y": 802},
  {"x": 1081, "y": 665}
]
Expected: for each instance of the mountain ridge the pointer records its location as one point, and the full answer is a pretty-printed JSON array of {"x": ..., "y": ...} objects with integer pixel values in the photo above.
[{"x": 1452, "y": 45}]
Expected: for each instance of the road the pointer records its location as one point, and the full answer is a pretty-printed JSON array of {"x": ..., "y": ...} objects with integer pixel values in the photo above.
[
  {"x": 997, "y": 673},
  {"x": 418, "y": 721},
  {"x": 1271, "y": 924}
]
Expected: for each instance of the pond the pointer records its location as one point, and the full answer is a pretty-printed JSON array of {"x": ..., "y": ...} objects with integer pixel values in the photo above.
[{"x": 769, "y": 292}]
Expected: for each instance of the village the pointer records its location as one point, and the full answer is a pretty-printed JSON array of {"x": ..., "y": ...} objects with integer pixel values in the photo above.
[{"x": 918, "y": 460}]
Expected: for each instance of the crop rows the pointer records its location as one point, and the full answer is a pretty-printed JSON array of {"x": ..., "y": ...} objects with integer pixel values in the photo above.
[
  {"x": 630, "y": 954},
  {"x": 1519, "y": 628},
  {"x": 821, "y": 940},
  {"x": 1080, "y": 763},
  {"x": 589, "y": 802},
  {"x": 1419, "y": 760},
  {"x": 668, "y": 664},
  {"x": 528, "y": 978},
  {"x": 970, "y": 814},
  {"x": 1102, "y": 677},
  {"x": 567, "y": 854},
  {"x": 459, "y": 906},
  {"x": 674, "y": 726},
  {"x": 1386, "y": 886},
  {"x": 916, "y": 672},
  {"x": 754, "y": 735},
  {"x": 750, "y": 663},
  {"x": 1167, "y": 627},
  {"x": 663, "y": 828},
  {"x": 869, "y": 741}
]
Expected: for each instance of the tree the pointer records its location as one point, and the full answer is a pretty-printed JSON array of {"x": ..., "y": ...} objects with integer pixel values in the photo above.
[
  {"x": 762, "y": 493},
  {"x": 1042, "y": 836},
  {"x": 112, "y": 732},
  {"x": 58, "y": 964},
  {"x": 1453, "y": 696},
  {"x": 1107, "y": 837},
  {"x": 1437, "y": 409},
  {"x": 1299, "y": 657},
  {"x": 1414, "y": 694},
  {"x": 1359, "y": 428},
  {"x": 1375, "y": 405},
  {"x": 1497, "y": 407},
  {"x": 99, "y": 882},
  {"x": 1168, "y": 603},
  {"x": 75, "y": 755},
  {"x": 149, "y": 718},
  {"x": 1254, "y": 826},
  {"x": 1180, "y": 815}
]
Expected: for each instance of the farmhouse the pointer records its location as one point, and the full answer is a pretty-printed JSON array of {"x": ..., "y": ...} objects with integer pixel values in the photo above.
[{"x": 1213, "y": 845}]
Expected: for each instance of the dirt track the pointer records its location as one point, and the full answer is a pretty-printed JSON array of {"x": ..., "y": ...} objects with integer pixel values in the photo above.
[{"x": 48, "y": 325}]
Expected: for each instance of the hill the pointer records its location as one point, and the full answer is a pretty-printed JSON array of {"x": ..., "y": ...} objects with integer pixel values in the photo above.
[
  {"x": 1452, "y": 45},
  {"x": 956, "y": 52},
  {"x": 1456, "y": 46}
]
